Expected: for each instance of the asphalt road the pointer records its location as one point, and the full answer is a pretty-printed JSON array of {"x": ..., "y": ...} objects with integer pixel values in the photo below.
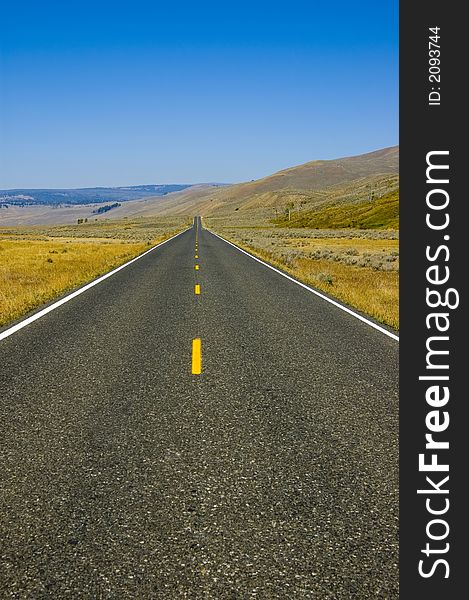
[{"x": 272, "y": 474}]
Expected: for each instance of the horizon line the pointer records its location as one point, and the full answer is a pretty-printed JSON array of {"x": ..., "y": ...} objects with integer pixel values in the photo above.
[{"x": 89, "y": 187}]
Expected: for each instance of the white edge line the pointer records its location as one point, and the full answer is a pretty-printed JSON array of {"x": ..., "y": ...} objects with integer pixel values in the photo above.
[
  {"x": 76, "y": 293},
  {"x": 313, "y": 291}
]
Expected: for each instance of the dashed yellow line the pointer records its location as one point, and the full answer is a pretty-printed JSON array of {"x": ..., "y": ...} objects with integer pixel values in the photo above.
[
  {"x": 196, "y": 356},
  {"x": 197, "y": 342}
]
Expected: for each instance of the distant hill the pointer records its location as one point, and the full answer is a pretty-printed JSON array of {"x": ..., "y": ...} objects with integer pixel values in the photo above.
[
  {"x": 55, "y": 197},
  {"x": 315, "y": 183},
  {"x": 320, "y": 174},
  {"x": 298, "y": 192}
]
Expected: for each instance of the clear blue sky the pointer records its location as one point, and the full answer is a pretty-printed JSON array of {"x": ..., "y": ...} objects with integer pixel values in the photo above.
[{"x": 124, "y": 93}]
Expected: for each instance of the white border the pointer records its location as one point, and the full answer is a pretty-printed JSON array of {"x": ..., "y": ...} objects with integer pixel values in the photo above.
[
  {"x": 313, "y": 291},
  {"x": 48, "y": 309}
]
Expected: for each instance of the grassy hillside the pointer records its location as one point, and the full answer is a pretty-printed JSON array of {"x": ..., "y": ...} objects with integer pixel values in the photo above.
[
  {"x": 382, "y": 213},
  {"x": 312, "y": 184},
  {"x": 320, "y": 174}
]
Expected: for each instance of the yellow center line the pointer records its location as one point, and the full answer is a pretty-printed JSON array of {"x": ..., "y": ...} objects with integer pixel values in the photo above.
[
  {"x": 197, "y": 256},
  {"x": 196, "y": 267},
  {"x": 197, "y": 288},
  {"x": 196, "y": 356}
]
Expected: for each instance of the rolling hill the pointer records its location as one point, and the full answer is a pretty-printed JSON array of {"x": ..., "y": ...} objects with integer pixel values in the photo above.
[
  {"x": 314, "y": 183},
  {"x": 308, "y": 187}
]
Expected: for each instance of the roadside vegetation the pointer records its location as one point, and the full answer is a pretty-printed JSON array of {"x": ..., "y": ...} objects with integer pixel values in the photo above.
[
  {"x": 38, "y": 264},
  {"x": 382, "y": 213},
  {"x": 359, "y": 267}
]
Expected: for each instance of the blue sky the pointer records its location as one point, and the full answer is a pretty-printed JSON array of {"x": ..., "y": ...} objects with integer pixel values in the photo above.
[{"x": 126, "y": 93}]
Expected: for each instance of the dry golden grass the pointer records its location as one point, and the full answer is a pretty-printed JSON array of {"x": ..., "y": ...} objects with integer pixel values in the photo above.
[
  {"x": 33, "y": 272},
  {"x": 362, "y": 271},
  {"x": 139, "y": 229},
  {"x": 373, "y": 292},
  {"x": 38, "y": 264}
]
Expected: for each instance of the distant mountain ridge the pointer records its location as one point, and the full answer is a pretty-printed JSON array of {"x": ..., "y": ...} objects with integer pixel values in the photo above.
[{"x": 55, "y": 197}]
